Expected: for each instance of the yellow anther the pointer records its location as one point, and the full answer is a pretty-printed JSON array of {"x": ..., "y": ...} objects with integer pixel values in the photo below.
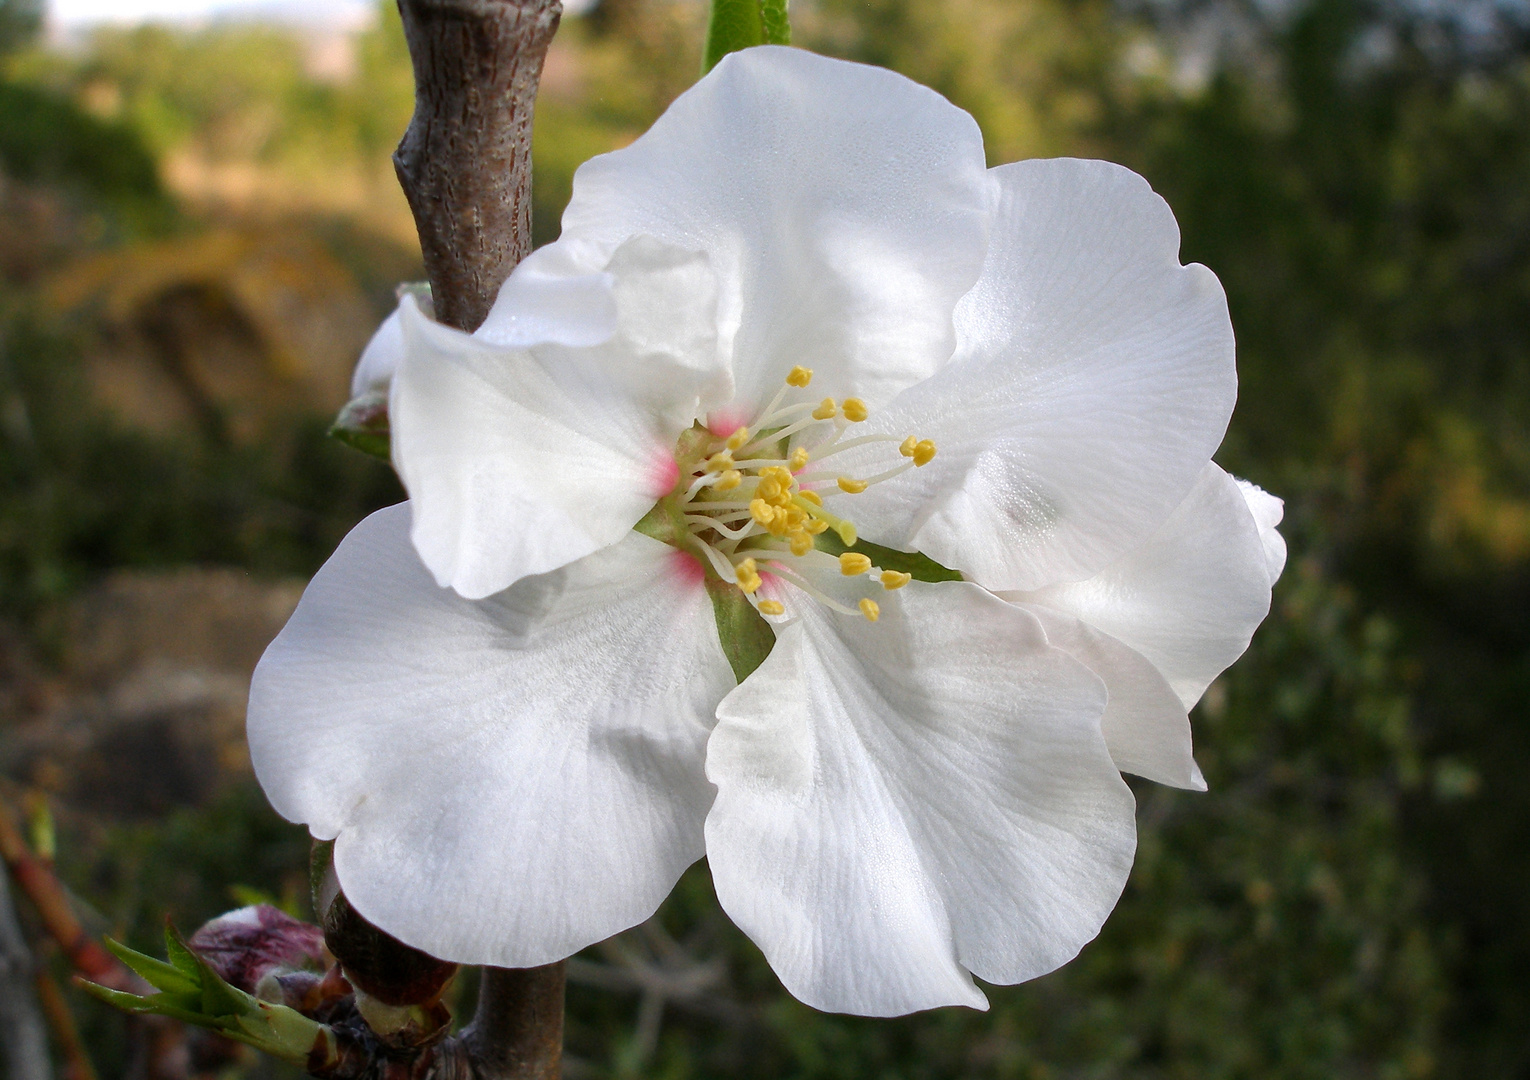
[
  {"x": 812, "y": 497},
  {"x": 768, "y": 489},
  {"x": 908, "y": 446},
  {"x": 871, "y": 609},
  {"x": 776, "y": 472},
  {"x": 893, "y": 579},
  {"x": 855, "y": 410},
  {"x": 728, "y": 480},
  {"x": 737, "y": 439},
  {"x": 924, "y": 452},
  {"x": 816, "y": 526},
  {"x": 795, "y": 517},
  {"x": 772, "y": 607},
  {"x": 799, "y": 459},
  {"x": 800, "y": 542},
  {"x": 748, "y": 566},
  {"x": 852, "y": 563},
  {"x": 762, "y": 512},
  {"x": 799, "y": 376},
  {"x": 847, "y": 533},
  {"x": 720, "y": 461},
  {"x": 747, "y": 575},
  {"x": 827, "y": 410},
  {"x": 851, "y": 487}
]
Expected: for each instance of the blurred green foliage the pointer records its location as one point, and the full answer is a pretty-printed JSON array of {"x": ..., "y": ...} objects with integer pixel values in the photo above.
[{"x": 1346, "y": 901}]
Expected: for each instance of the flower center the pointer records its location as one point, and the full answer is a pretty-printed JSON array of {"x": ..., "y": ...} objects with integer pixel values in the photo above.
[{"x": 748, "y": 503}]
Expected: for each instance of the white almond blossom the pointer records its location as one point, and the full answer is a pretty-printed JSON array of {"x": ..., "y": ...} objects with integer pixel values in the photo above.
[{"x": 791, "y": 335}]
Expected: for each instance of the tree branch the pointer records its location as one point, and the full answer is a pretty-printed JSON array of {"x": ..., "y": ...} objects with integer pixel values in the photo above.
[
  {"x": 517, "y": 1033},
  {"x": 465, "y": 161}
]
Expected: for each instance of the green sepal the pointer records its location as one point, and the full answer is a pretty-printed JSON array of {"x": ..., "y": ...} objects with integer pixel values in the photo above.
[
  {"x": 156, "y": 973},
  {"x": 745, "y": 635},
  {"x": 192, "y": 992},
  {"x": 740, "y": 24},
  {"x": 363, "y": 425},
  {"x": 916, "y": 564}
]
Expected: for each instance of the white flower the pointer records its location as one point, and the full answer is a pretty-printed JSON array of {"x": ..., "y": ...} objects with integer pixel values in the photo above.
[{"x": 522, "y": 726}]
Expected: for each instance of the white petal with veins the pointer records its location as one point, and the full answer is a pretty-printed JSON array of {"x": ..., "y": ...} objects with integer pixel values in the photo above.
[
  {"x": 507, "y": 780},
  {"x": 1092, "y": 381},
  {"x": 844, "y": 207},
  {"x": 903, "y": 802},
  {"x": 1190, "y": 598}
]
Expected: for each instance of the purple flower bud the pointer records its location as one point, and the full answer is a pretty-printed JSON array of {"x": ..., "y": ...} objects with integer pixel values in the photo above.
[{"x": 244, "y": 946}]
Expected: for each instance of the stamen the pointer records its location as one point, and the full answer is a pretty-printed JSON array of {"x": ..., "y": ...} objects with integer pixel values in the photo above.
[
  {"x": 924, "y": 453},
  {"x": 855, "y": 410},
  {"x": 853, "y": 564},
  {"x": 720, "y": 461},
  {"x": 799, "y": 376},
  {"x": 826, "y": 410},
  {"x": 851, "y": 487},
  {"x": 772, "y": 607},
  {"x": 729, "y": 480},
  {"x": 737, "y": 439},
  {"x": 747, "y": 576},
  {"x": 871, "y": 609},
  {"x": 799, "y": 459},
  {"x": 893, "y": 579},
  {"x": 908, "y": 446}
]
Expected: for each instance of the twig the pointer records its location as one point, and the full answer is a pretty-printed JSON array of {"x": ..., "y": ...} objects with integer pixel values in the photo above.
[
  {"x": 465, "y": 161},
  {"x": 21, "y": 1023},
  {"x": 517, "y": 1032},
  {"x": 38, "y": 883},
  {"x": 66, "y": 1034}
]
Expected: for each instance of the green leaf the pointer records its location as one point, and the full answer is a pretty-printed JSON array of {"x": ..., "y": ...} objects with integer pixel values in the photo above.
[
  {"x": 773, "y": 21},
  {"x": 745, "y": 635},
  {"x": 740, "y": 24}
]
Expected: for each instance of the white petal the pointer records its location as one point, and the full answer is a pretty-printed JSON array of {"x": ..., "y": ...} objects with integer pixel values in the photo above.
[
  {"x": 844, "y": 207},
  {"x": 1147, "y": 728},
  {"x": 903, "y": 802},
  {"x": 1267, "y": 510},
  {"x": 379, "y": 360},
  {"x": 507, "y": 780},
  {"x": 1093, "y": 379},
  {"x": 1190, "y": 598},
  {"x": 557, "y": 294},
  {"x": 522, "y": 460}
]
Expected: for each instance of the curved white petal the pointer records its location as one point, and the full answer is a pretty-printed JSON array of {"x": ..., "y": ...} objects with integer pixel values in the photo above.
[
  {"x": 844, "y": 207},
  {"x": 379, "y": 360},
  {"x": 1093, "y": 379},
  {"x": 1147, "y": 727},
  {"x": 1190, "y": 598},
  {"x": 903, "y": 802},
  {"x": 519, "y": 461},
  {"x": 1267, "y": 510},
  {"x": 558, "y": 294},
  {"x": 507, "y": 780}
]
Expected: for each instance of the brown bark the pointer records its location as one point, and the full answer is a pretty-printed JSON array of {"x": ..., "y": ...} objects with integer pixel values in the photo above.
[
  {"x": 465, "y": 160},
  {"x": 517, "y": 1033}
]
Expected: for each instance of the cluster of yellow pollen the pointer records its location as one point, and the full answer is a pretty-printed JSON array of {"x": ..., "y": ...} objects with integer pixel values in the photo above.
[{"x": 749, "y": 500}]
